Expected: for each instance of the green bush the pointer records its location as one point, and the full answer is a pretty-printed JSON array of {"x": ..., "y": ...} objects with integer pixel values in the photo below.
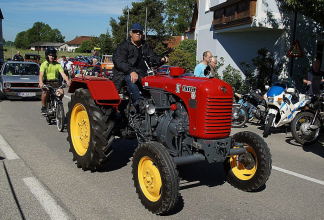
[
  {"x": 233, "y": 77},
  {"x": 184, "y": 55}
]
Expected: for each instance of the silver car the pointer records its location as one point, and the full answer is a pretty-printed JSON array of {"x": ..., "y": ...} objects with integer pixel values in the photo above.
[{"x": 19, "y": 80}]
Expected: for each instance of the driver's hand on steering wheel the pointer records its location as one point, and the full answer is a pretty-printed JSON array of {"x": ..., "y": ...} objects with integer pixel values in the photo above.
[
  {"x": 165, "y": 59},
  {"x": 134, "y": 77}
]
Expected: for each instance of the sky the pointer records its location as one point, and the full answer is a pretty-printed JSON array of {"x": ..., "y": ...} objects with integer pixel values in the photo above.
[{"x": 71, "y": 17}]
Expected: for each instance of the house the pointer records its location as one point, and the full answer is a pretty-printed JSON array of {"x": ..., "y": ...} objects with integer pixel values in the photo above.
[
  {"x": 1, "y": 39},
  {"x": 75, "y": 43},
  {"x": 237, "y": 29},
  {"x": 44, "y": 45}
]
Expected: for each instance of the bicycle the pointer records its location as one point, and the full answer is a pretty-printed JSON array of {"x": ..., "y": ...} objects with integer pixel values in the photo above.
[{"x": 54, "y": 106}]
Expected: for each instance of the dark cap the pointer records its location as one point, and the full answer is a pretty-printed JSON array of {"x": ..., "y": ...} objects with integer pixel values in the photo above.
[{"x": 137, "y": 26}]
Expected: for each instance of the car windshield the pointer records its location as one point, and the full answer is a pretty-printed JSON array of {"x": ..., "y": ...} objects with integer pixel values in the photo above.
[{"x": 21, "y": 69}]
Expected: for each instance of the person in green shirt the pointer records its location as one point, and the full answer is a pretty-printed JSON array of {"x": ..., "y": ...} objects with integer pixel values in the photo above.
[{"x": 50, "y": 73}]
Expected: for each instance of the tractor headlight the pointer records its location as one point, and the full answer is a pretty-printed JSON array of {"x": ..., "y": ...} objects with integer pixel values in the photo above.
[{"x": 150, "y": 109}]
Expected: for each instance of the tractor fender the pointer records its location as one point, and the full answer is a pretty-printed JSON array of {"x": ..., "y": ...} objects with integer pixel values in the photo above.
[{"x": 103, "y": 91}]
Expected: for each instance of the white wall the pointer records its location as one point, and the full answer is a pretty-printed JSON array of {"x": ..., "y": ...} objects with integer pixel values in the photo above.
[{"x": 270, "y": 29}]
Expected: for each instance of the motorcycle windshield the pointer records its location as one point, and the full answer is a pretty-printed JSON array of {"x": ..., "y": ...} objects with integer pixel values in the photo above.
[{"x": 275, "y": 90}]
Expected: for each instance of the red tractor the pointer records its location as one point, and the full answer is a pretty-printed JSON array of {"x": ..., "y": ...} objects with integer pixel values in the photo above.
[{"x": 184, "y": 119}]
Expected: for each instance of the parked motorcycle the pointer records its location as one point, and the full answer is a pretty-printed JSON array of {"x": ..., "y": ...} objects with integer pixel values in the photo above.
[
  {"x": 306, "y": 126},
  {"x": 284, "y": 102},
  {"x": 249, "y": 106}
]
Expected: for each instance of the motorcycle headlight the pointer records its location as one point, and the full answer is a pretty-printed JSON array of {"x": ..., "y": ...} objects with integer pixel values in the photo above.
[
  {"x": 7, "y": 85},
  {"x": 58, "y": 93},
  {"x": 271, "y": 99}
]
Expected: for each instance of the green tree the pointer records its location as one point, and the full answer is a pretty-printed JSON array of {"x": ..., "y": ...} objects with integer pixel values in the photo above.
[
  {"x": 86, "y": 46},
  {"x": 233, "y": 77},
  {"x": 155, "y": 20},
  {"x": 39, "y": 32},
  {"x": 179, "y": 15},
  {"x": 105, "y": 43},
  {"x": 184, "y": 55},
  {"x": 262, "y": 69},
  {"x": 311, "y": 8}
]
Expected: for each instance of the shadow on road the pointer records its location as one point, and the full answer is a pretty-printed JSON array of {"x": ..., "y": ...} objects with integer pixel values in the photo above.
[
  {"x": 2, "y": 158},
  {"x": 203, "y": 173},
  {"x": 123, "y": 150},
  {"x": 317, "y": 148}
]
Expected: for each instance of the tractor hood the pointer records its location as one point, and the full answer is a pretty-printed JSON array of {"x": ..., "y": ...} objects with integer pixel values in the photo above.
[
  {"x": 208, "y": 102},
  {"x": 189, "y": 86}
]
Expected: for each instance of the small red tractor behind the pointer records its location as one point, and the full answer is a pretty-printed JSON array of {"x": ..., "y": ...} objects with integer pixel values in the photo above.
[{"x": 184, "y": 119}]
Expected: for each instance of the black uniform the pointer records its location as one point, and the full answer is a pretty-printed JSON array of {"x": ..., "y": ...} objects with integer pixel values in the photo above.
[{"x": 129, "y": 58}]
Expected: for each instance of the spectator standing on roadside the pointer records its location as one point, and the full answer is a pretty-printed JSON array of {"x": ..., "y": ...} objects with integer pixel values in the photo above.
[
  {"x": 213, "y": 67},
  {"x": 18, "y": 57},
  {"x": 314, "y": 78},
  {"x": 200, "y": 68},
  {"x": 96, "y": 68},
  {"x": 66, "y": 65}
]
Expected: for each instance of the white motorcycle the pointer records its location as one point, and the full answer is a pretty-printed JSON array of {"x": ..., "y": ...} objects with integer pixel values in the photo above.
[{"x": 284, "y": 102}]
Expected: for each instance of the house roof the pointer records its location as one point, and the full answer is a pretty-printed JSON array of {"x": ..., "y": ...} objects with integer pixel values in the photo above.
[
  {"x": 1, "y": 15},
  {"x": 46, "y": 44},
  {"x": 174, "y": 41},
  {"x": 79, "y": 40}
]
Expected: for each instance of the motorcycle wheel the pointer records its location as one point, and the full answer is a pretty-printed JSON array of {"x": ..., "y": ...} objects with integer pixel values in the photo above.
[
  {"x": 89, "y": 129},
  {"x": 300, "y": 128},
  {"x": 249, "y": 171},
  {"x": 60, "y": 117},
  {"x": 239, "y": 116},
  {"x": 267, "y": 125},
  {"x": 155, "y": 177}
]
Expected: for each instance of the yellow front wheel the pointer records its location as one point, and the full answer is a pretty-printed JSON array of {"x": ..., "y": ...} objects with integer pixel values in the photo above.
[
  {"x": 251, "y": 170},
  {"x": 155, "y": 177}
]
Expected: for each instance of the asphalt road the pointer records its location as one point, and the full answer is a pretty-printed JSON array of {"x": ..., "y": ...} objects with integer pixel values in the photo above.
[{"x": 39, "y": 180}]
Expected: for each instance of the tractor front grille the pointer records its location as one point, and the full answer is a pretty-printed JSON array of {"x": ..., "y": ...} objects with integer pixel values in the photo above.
[{"x": 218, "y": 116}]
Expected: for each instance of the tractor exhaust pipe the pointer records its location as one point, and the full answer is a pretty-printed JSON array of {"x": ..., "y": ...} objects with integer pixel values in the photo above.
[{"x": 189, "y": 159}]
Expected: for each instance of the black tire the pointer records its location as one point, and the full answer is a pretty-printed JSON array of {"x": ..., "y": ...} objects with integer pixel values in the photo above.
[
  {"x": 254, "y": 177},
  {"x": 60, "y": 117},
  {"x": 155, "y": 159},
  {"x": 241, "y": 118},
  {"x": 302, "y": 135},
  {"x": 267, "y": 125},
  {"x": 89, "y": 134}
]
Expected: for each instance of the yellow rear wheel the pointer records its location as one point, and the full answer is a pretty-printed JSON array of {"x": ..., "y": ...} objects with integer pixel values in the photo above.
[
  {"x": 89, "y": 129},
  {"x": 80, "y": 129}
]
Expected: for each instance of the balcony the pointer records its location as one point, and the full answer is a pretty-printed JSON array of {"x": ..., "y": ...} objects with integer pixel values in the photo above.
[{"x": 233, "y": 13}]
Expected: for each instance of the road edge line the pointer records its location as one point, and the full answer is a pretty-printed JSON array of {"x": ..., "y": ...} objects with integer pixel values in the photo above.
[{"x": 298, "y": 175}]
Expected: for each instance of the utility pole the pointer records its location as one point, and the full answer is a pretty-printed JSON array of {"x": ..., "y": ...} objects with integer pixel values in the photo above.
[
  {"x": 145, "y": 22},
  {"x": 292, "y": 41},
  {"x": 127, "y": 22}
]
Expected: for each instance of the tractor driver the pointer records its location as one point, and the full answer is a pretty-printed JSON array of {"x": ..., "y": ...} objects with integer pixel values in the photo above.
[
  {"x": 49, "y": 75},
  {"x": 129, "y": 65}
]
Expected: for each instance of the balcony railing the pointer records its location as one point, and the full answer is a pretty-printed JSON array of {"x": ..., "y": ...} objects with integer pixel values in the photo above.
[{"x": 233, "y": 13}]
